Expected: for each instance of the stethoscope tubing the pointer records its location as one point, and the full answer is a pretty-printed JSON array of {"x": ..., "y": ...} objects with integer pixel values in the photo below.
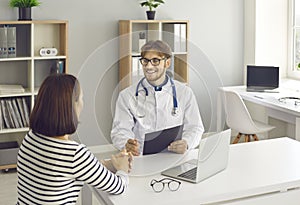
[{"x": 175, "y": 103}]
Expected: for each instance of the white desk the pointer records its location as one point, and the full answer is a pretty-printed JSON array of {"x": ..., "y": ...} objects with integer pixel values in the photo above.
[
  {"x": 260, "y": 173},
  {"x": 288, "y": 112}
]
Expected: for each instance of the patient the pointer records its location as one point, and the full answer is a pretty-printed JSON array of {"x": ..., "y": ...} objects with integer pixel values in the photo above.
[{"x": 52, "y": 168}]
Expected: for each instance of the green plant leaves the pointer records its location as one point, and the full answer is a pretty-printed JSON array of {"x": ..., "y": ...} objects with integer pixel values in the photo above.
[
  {"x": 24, "y": 3},
  {"x": 152, "y": 3}
]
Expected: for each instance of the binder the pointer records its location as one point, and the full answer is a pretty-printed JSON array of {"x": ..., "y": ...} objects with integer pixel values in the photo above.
[
  {"x": 1, "y": 119},
  {"x": 11, "y": 42},
  {"x": 171, "y": 36},
  {"x": 3, "y": 42},
  {"x": 183, "y": 38},
  {"x": 175, "y": 36}
]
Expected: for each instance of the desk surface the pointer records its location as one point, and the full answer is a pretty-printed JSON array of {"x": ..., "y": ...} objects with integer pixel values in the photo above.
[
  {"x": 270, "y": 100},
  {"x": 254, "y": 168}
]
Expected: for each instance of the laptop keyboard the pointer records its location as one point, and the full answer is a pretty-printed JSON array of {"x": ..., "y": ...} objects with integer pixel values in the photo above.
[{"x": 191, "y": 174}]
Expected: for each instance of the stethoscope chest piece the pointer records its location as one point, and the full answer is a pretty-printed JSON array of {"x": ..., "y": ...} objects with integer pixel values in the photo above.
[{"x": 175, "y": 111}]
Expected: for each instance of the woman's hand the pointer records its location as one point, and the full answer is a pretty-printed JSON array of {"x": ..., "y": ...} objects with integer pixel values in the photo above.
[
  {"x": 108, "y": 164},
  {"x": 122, "y": 161}
]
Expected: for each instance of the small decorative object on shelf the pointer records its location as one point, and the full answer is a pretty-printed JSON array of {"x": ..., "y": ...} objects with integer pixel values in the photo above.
[
  {"x": 24, "y": 8},
  {"x": 142, "y": 40},
  {"x": 57, "y": 67},
  {"x": 152, "y": 4}
]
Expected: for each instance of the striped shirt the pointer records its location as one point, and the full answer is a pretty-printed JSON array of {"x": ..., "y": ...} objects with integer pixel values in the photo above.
[{"x": 53, "y": 171}]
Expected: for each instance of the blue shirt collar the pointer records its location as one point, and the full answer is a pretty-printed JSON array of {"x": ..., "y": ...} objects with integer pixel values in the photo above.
[{"x": 159, "y": 87}]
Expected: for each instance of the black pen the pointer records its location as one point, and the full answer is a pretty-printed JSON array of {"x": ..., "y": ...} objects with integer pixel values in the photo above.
[{"x": 258, "y": 97}]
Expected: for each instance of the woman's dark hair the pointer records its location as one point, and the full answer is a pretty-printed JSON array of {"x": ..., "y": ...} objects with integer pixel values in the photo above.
[
  {"x": 54, "y": 111},
  {"x": 158, "y": 46}
]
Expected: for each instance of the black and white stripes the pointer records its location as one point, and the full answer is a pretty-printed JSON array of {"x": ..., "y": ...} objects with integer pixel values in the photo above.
[{"x": 52, "y": 171}]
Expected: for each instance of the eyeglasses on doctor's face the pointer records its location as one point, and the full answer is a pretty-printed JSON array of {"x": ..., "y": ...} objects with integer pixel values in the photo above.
[
  {"x": 159, "y": 185},
  {"x": 153, "y": 61}
]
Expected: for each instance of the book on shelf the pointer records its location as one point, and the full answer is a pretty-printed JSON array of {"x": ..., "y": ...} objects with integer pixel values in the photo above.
[
  {"x": 3, "y": 42},
  {"x": 2, "y": 107},
  {"x": 22, "y": 112},
  {"x": 11, "y": 114},
  {"x": 57, "y": 67},
  {"x": 14, "y": 113},
  {"x": 8, "y": 123},
  {"x": 17, "y": 112},
  {"x": 11, "y": 42},
  {"x": 11, "y": 89},
  {"x": 26, "y": 111}
]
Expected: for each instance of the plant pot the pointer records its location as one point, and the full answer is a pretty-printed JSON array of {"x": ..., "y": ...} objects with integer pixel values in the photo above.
[
  {"x": 24, "y": 14},
  {"x": 150, "y": 15}
]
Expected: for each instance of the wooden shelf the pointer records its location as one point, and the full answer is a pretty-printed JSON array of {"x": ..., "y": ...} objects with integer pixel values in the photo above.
[
  {"x": 8, "y": 166},
  {"x": 14, "y": 130},
  {"x": 28, "y": 68}
]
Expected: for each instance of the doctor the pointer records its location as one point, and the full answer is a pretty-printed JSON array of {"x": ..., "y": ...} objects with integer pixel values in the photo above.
[{"x": 155, "y": 103}]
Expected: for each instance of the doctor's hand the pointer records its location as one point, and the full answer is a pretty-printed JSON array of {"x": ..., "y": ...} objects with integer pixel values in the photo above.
[
  {"x": 132, "y": 146},
  {"x": 178, "y": 146}
]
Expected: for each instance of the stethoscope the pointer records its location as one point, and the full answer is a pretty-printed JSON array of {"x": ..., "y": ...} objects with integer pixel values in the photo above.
[{"x": 175, "y": 103}]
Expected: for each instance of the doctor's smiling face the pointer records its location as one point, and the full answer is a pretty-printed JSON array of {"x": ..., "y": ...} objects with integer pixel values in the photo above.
[
  {"x": 156, "y": 67},
  {"x": 156, "y": 59}
]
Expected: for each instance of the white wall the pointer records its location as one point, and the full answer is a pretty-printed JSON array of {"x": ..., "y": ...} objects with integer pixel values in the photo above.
[
  {"x": 216, "y": 28},
  {"x": 266, "y": 43},
  {"x": 266, "y": 33}
]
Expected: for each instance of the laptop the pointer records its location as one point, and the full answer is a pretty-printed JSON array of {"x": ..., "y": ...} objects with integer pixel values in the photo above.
[
  {"x": 262, "y": 78},
  {"x": 156, "y": 142},
  {"x": 212, "y": 158}
]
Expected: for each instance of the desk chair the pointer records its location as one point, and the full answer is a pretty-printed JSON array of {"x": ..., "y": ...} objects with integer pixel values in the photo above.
[{"x": 238, "y": 118}]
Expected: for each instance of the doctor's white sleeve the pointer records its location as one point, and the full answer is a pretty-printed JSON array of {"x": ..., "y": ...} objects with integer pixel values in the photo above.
[
  {"x": 123, "y": 122},
  {"x": 193, "y": 126}
]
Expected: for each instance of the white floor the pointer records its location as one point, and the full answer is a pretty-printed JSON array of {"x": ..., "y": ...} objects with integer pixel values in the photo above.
[{"x": 8, "y": 189}]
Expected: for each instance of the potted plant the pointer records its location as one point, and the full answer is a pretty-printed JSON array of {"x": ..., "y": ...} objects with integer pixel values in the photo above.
[
  {"x": 152, "y": 4},
  {"x": 24, "y": 7}
]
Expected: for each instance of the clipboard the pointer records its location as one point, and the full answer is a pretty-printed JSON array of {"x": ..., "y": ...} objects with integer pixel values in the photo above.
[{"x": 158, "y": 141}]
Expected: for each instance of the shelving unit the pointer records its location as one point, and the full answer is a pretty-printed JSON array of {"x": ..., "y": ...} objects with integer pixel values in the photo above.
[
  {"x": 28, "y": 68},
  {"x": 174, "y": 32}
]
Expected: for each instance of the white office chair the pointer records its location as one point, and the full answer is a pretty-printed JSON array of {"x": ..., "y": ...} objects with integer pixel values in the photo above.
[{"x": 238, "y": 118}]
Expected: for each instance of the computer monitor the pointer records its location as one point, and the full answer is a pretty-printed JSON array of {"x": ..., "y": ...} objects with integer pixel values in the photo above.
[{"x": 261, "y": 78}]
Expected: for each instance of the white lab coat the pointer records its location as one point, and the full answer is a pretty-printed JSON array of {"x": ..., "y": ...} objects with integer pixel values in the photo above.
[{"x": 157, "y": 110}]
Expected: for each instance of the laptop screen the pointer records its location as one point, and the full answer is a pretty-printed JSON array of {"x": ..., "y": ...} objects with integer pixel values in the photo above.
[{"x": 262, "y": 76}]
